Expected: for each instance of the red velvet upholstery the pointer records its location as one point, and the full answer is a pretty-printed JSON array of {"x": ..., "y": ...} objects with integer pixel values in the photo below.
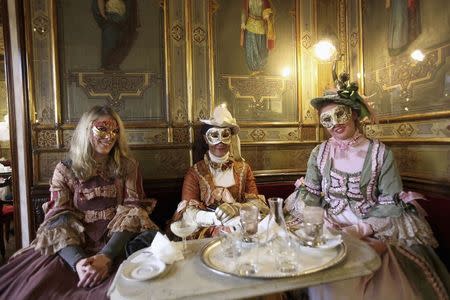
[{"x": 6, "y": 217}]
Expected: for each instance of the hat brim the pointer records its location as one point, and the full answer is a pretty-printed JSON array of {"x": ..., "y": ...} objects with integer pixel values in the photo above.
[{"x": 320, "y": 102}]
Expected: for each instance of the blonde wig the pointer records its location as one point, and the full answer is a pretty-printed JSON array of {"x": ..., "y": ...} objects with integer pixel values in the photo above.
[{"x": 82, "y": 152}]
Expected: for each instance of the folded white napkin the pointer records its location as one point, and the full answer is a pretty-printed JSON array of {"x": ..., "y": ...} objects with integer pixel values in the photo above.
[{"x": 163, "y": 249}]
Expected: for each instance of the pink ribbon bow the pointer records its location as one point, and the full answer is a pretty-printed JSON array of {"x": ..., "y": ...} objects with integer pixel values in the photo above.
[{"x": 411, "y": 197}]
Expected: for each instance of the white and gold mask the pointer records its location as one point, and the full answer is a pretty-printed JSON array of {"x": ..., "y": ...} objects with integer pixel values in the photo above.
[
  {"x": 338, "y": 115},
  {"x": 216, "y": 135}
]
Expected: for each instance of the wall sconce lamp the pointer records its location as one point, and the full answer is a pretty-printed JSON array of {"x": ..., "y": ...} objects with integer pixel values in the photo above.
[
  {"x": 418, "y": 55},
  {"x": 325, "y": 51}
]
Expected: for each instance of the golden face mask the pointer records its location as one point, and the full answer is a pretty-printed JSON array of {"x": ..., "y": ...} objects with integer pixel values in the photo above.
[
  {"x": 216, "y": 135},
  {"x": 105, "y": 129},
  {"x": 338, "y": 115}
]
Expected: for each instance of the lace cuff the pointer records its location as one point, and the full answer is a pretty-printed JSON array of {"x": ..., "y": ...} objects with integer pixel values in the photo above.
[
  {"x": 406, "y": 230},
  {"x": 132, "y": 219},
  {"x": 58, "y": 232}
]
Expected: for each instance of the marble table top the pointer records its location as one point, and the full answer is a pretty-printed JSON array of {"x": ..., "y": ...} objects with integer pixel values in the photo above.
[{"x": 191, "y": 279}]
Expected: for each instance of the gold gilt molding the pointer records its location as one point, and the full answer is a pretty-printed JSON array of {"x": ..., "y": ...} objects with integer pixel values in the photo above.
[
  {"x": 271, "y": 134},
  {"x": 342, "y": 29},
  {"x": 199, "y": 35},
  {"x": 112, "y": 86},
  {"x": 40, "y": 25},
  {"x": 259, "y": 90},
  {"x": 177, "y": 32},
  {"x": 403, "y": 72},
  {"x": 435, "y": 131}
]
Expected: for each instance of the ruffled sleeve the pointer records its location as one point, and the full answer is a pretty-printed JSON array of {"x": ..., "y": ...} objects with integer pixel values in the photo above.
[
  {"x": 389, "y": 182},
  {"x": 309, "y": 191},
  {"x": 133, "y": 214},
  {"x": 62, "y": 226},
  {"x": 390, "y": 220},
  {"x": 190, "y": 194},
  {"x": 407, "y": 229}
]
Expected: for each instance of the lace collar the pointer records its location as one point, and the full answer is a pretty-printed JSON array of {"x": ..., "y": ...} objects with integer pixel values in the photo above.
[
  {"x": 355, "y": 140},
  {"x": 223, "y": 166}
]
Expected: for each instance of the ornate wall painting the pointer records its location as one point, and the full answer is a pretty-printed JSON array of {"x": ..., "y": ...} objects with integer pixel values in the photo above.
[
  {"x": 255, "y": 61},
  {"x": 114, "y": 56},
  {"x": 392, "y": 30}
]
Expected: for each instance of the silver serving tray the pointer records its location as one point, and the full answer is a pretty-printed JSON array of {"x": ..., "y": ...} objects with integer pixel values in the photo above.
[{"x": 311, "y": 260}]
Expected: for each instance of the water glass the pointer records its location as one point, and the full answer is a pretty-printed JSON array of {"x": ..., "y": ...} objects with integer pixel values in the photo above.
[
  {"x": 313, "y": 225},
  {"x": 247, "y": 263},
  {"x": 229, "y": 243},
  {"x": 249, "y": 222},
  {"x": 287, "y": 260}
]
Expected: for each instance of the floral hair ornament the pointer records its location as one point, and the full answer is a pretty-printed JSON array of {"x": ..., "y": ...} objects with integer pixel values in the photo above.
[
  {"x": 222, "y": 118},
  {"x": 346, "y": 94}
]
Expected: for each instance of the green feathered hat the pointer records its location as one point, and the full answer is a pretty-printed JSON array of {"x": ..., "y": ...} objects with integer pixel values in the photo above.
[{"x": 348, "y": 95}]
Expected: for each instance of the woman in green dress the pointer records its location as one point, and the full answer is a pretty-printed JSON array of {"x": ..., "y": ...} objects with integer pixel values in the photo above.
[{"x": 356, "y": 181}]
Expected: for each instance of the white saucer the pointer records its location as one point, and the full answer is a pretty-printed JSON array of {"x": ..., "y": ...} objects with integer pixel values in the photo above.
[
  {"x": 329, "y": 240},
  {"x": 143, "y": 271}
]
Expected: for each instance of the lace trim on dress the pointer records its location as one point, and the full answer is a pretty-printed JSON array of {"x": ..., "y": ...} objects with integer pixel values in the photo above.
[
  {"x": 217, "y": 165},
  {"x": 346, "y": 144},
  {"x": 386, "y": 199},
  {"x": 406, "y": 230},
  {"x": 91, "y": 216},
  {"x": 205, "y": 188},
  {"x": 106, "y": 191},
  {"x": 132, "y": 219},
  {"x": 49, "y": 241},
  {"x": 311, "y": 185},
  {"x": 242, "y": 178},
  {"x": 434, "y": 280},
  {"x": 377, "y": 162}
]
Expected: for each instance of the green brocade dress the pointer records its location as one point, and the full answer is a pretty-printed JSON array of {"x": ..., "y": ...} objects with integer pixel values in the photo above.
[{"x": 369, "y": 201}]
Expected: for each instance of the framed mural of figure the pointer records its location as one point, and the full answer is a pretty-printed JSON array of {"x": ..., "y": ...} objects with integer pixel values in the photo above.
[
  {"x": 114, "y": 56},
  {"x": 392, "y": 30},
  {"x": 255, "y": 61}
]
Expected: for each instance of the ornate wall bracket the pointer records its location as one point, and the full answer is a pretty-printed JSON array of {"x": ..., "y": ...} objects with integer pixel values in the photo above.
[
  {"x": 404, "y": 73},
  {"x": 259, "y": 90},
  {"x": 112, "y": 86}
]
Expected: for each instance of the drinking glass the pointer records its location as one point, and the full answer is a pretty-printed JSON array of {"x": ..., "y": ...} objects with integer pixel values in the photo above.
[
  {"x": 249, "y": 222},
  {"x": 229, "y": 242},
  {"x": 247, "y": 261},
  {"x": 183, "y": 229},
  {"x": 313, "y": 225}
]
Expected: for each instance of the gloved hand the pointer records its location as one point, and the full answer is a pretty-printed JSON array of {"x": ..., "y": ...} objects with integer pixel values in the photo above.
[
  {"x": 226, "y": 211},
  {"x": 234, "y": 223},
  {"x": 206, "y": 218}
]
